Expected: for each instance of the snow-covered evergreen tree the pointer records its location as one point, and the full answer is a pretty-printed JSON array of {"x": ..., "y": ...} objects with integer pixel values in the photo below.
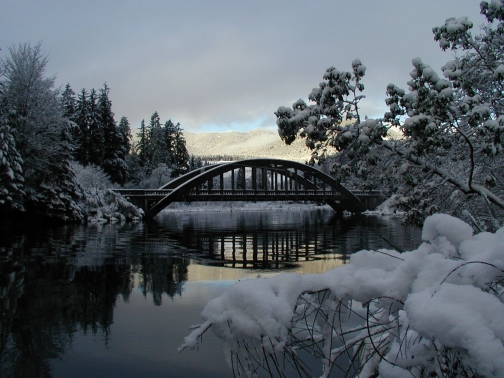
[
  {"x": 169, "y": 135},
  {"x": 69, "y": 102},
  {"x": 156, "y": 150},
  {"x": 114, "y": 155},
  {"x": 141, "y": 147},
  {"x": 81, "y": 132},
  {"x": 34, "y": 116},
  {"x": 125, "y": 129},
  {"x": 96, "y": 147},
  {"x": 11, "y": 173},
  {"x": 161, "y": 147},
  {"x": 136, "y": 173},
  {"x": 180, "y": 156}
]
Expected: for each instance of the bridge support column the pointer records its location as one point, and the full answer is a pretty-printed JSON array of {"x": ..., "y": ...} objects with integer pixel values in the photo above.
[
  {"x": 276, "y": 180},
  {"x": 244, "y": 181},
  {"x": 254, "y": 179},
  {"x": 265, "y": 179}
]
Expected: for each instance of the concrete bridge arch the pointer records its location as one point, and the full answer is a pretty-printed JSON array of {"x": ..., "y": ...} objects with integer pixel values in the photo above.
[{"x": 269, "y": 180}]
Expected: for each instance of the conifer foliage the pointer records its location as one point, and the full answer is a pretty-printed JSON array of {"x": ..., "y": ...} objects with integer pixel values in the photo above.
[
  {"x": 43, "y": 132},
  {"x": 115, "y": 140},
  {"x": 98, "y": 140},
  {"x": 11, "y": 173},
  {"x": 161, "y": 146},
  {"x": 34, "y": 140}
]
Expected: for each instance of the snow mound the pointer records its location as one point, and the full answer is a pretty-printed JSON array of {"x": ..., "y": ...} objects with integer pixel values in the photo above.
[{"x": 435, "y": 309}]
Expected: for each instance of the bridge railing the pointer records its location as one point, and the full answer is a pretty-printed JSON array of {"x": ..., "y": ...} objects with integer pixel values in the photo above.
[
  {"x": 143, "y": 192},
  {"x": 249, "y": 191},
  {"x": 369, "y": 193},
  {"x": 262, "y": 192}
]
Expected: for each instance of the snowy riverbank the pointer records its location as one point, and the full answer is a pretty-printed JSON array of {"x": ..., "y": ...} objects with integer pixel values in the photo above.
[{"x": 180, "y": 207}]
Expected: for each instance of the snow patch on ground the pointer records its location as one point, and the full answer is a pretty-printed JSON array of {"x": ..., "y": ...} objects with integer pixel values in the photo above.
[{"x": 224, "y": 207}]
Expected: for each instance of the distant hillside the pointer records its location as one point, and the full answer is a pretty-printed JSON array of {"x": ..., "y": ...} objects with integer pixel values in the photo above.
[{"x": 256, "y": 143}]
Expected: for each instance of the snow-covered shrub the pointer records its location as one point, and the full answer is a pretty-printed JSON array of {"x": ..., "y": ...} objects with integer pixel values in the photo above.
[
  {"x": 99, "y": 203},
  {"x": 107, "y": 205},
  {"x": 159, "y": 176},
  {"x": 436, "y": 311},
  {"x": 90, "y": 176}
]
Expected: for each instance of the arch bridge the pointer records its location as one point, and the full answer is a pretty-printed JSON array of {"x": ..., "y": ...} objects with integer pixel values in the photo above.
[{"x": 253, "y": 180}]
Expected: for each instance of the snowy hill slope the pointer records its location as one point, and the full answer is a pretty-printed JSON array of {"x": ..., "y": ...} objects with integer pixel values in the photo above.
[{"x": 255, "y": 143}]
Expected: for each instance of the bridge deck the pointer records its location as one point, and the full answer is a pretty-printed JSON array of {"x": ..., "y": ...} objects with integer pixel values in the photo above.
[
  {"x": 141, "y": 193},
  {"x": 241, "y": 195},
  {"x": 217, "y": 195},
  {"x": 279, "y": 180}
]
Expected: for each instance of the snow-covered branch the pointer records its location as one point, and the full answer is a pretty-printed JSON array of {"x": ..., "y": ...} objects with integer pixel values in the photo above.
[
  {"x": 452, "y": 128},
  {"x": 438, "y": 308}
]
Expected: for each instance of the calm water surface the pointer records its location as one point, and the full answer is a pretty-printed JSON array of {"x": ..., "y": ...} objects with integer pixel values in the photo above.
[{"x": 116, "y": 300}]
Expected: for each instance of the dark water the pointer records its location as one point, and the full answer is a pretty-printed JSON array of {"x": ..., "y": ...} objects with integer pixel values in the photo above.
[{"x": 116, "y": 300}]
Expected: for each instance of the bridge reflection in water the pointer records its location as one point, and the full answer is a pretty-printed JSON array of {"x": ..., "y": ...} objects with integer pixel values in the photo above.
[
  {"x": 257, "y": 251},
  {"x": 315, "y": 241}
]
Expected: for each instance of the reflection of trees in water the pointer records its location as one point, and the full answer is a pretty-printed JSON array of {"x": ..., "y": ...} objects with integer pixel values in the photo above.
[
  {"x": 56, "y": 281},
  {"x": 53, "y": 300},
  {"x": 52, "y": 287},
  {"x": 158, "y": 276}
]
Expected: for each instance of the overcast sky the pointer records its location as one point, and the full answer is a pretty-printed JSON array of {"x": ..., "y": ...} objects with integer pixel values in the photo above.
[{"x": 219, "y": 65}]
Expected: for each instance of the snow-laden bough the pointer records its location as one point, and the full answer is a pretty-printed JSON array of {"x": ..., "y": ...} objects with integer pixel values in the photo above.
[{"x": 426, "y": 312}]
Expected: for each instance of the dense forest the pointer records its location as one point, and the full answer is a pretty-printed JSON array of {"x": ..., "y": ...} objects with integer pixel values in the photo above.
[{"x": 60, "y": 153}]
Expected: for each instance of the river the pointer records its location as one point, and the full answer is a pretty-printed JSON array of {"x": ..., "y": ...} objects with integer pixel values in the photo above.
[{"x": 107, "y": 300}]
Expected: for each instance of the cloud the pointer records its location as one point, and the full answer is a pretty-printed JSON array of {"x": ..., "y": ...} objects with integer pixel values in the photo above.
[{"x": 224, "y": 63}]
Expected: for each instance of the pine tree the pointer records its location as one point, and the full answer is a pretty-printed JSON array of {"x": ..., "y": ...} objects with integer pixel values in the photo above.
[
  {"x": 125, "y": 129},
  {"x": 69, "y": 103},
  {"x": 96, "y": 145},
  {"x": 135, "y": 170},
  {"x": 451, "y": 154},
  {"x": 11, "y": 173},
  {"x": 142, "y": 145},
  {"x": 170, "y": 135},
  {"x": 35, "y": 120},
  {"x": 192, "y": 163},
  {"x": 180, "y": 155},
  {"x": 81, "y": 131},
  {"x": 157, "y": 148},
  {"x": 114, "y": 155}
]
